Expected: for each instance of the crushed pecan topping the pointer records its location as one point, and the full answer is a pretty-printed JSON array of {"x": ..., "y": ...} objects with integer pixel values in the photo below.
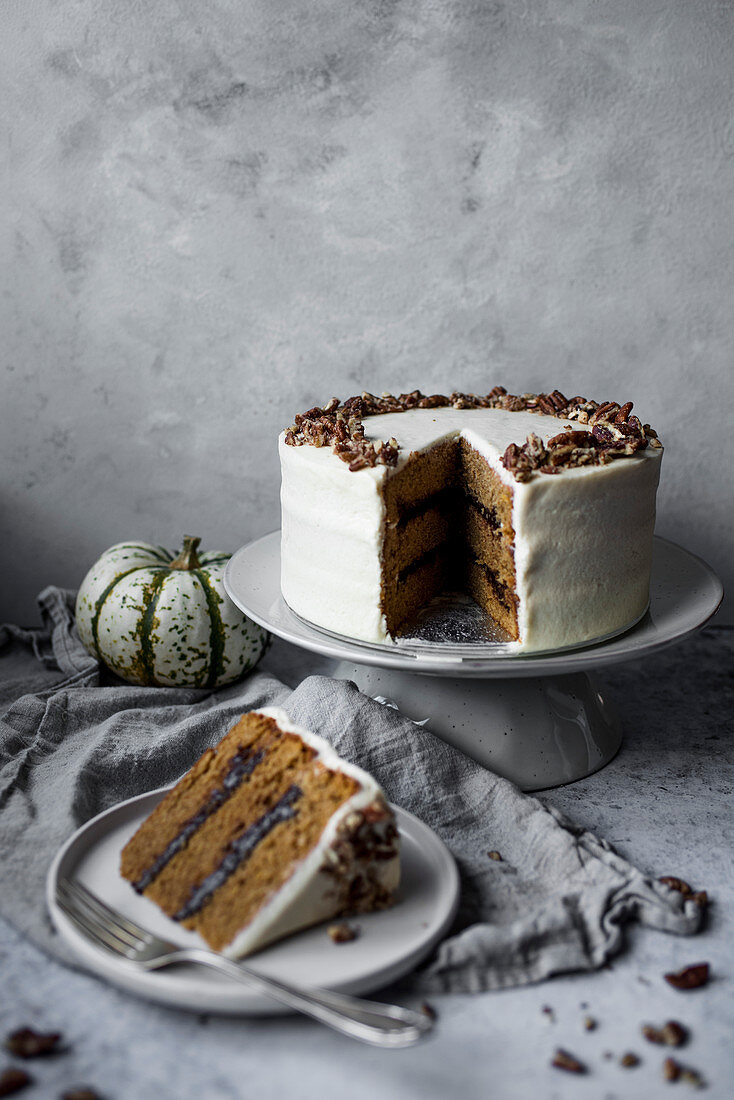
[
  {"x": 690, "y": 977},
  {"x": 629, "y": 1060},
  {"x": 614, "y": 431}
]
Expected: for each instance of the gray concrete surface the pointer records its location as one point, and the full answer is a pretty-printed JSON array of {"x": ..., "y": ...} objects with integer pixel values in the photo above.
[{"x": 215, "y": 214}]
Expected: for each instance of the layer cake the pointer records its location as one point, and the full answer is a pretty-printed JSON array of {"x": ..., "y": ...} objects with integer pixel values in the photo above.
[{"x": 542, "y": 508}]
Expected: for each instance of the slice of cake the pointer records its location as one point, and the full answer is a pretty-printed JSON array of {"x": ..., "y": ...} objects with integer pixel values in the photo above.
[{"x": 268, "y": 833}]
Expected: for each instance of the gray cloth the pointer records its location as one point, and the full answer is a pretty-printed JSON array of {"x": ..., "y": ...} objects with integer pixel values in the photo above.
[{"x": 556, "y": 901}]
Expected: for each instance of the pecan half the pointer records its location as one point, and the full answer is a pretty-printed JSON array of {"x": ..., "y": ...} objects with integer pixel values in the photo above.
[{"x": 689, "y": 977}]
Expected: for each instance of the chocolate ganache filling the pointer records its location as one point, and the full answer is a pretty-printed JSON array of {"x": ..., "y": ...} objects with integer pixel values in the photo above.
[
  {"x": 239, "y": 850},
  {"x": 241, "y": 765}
]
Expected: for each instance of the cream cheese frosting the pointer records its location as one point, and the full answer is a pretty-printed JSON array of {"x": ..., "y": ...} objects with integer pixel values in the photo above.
[{"x": 583, "y": 538}]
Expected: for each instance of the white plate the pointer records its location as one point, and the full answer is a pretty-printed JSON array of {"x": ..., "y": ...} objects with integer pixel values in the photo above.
[
  {"x": 391, "y": 942},
  {"x": 684, "y": 593}
]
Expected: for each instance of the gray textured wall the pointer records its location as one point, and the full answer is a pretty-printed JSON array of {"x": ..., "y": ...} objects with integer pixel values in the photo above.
[{"x": 216, "y": 213}]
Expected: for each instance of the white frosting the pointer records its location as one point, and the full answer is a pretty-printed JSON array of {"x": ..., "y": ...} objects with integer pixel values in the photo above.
[
  {"x": 308, "y": 896},
  {"x": 583, "y": 538}
]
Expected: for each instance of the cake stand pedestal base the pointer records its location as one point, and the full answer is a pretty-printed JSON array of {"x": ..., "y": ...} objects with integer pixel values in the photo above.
[{"x": 537, "y": 731}]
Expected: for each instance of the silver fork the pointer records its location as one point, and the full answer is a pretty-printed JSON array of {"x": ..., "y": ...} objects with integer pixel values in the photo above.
[{"x": 372, "y": 1022}]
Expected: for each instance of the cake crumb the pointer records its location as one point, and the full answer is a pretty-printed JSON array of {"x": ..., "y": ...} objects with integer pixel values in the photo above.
[
  {"x": 342, "y": 933},
  {"x": 589, "y": 1023}
]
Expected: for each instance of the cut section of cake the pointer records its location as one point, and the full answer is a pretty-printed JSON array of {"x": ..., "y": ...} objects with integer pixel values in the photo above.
[{"x": 268, "y": 833}]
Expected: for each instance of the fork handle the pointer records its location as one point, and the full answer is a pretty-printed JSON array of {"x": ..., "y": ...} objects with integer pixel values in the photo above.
[{"x": 371, "y": 1022}]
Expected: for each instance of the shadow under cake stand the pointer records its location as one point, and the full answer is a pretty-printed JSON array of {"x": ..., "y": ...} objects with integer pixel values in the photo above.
[{"x": 539, "y": 720}]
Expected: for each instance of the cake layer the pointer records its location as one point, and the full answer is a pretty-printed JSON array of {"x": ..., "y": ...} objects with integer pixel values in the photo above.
[
  {"x": 239, "y": 850},
  {"x": 497, "y": 599},
  {"x": 416, "y": 584}
]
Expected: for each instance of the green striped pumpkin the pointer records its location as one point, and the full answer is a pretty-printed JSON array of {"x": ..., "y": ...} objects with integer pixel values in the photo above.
[{"x": 161, "y": 619}]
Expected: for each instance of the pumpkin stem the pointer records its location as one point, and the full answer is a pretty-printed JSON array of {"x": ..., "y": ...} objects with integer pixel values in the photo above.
[{"x": 188, "y": 558}]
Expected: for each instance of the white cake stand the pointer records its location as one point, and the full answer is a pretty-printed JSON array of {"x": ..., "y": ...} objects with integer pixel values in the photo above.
[{"x": 538, "y": 720}]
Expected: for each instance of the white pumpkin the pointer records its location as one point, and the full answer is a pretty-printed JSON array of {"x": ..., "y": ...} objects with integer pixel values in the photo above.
[{"x": 157, "y": 618}]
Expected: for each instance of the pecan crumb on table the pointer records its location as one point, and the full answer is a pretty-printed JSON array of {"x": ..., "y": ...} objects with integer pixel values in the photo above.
[
  {"x": 562, "y": 1059},
  {"x": 689, "y": 977},
  {"x": 671, "y": 1034},
  {"x": 674, "y": 1071},
  {"x": 27, "y": 1043},
  {"x": 13, "y": 1080}
]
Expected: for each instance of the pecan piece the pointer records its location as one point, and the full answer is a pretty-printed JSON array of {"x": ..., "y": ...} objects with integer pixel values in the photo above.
[
  {"x": 562, "y": 1059},
  {"x": 27, "y": 1043},
  {"x": 689, "y": 977},
  {"x": 673, "y": 1033},
  {"x": 577, "y": 439},
  {"x": 342, "y": 933},
  {"x": 674, "y": 1071},
  {"x": 676, "y": 884},
  {"x": 671, "y": 1069},
  {"x": 13, "y": 1080}
]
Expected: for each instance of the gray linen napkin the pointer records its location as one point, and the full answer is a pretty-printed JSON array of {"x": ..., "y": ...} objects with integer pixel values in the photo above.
[{"x": 556, "y": 901}]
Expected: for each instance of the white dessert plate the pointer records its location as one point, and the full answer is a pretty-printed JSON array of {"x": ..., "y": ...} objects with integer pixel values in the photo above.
[
  {"x": 390, "y": 943},
  {"x": 684, "y": 593}
]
